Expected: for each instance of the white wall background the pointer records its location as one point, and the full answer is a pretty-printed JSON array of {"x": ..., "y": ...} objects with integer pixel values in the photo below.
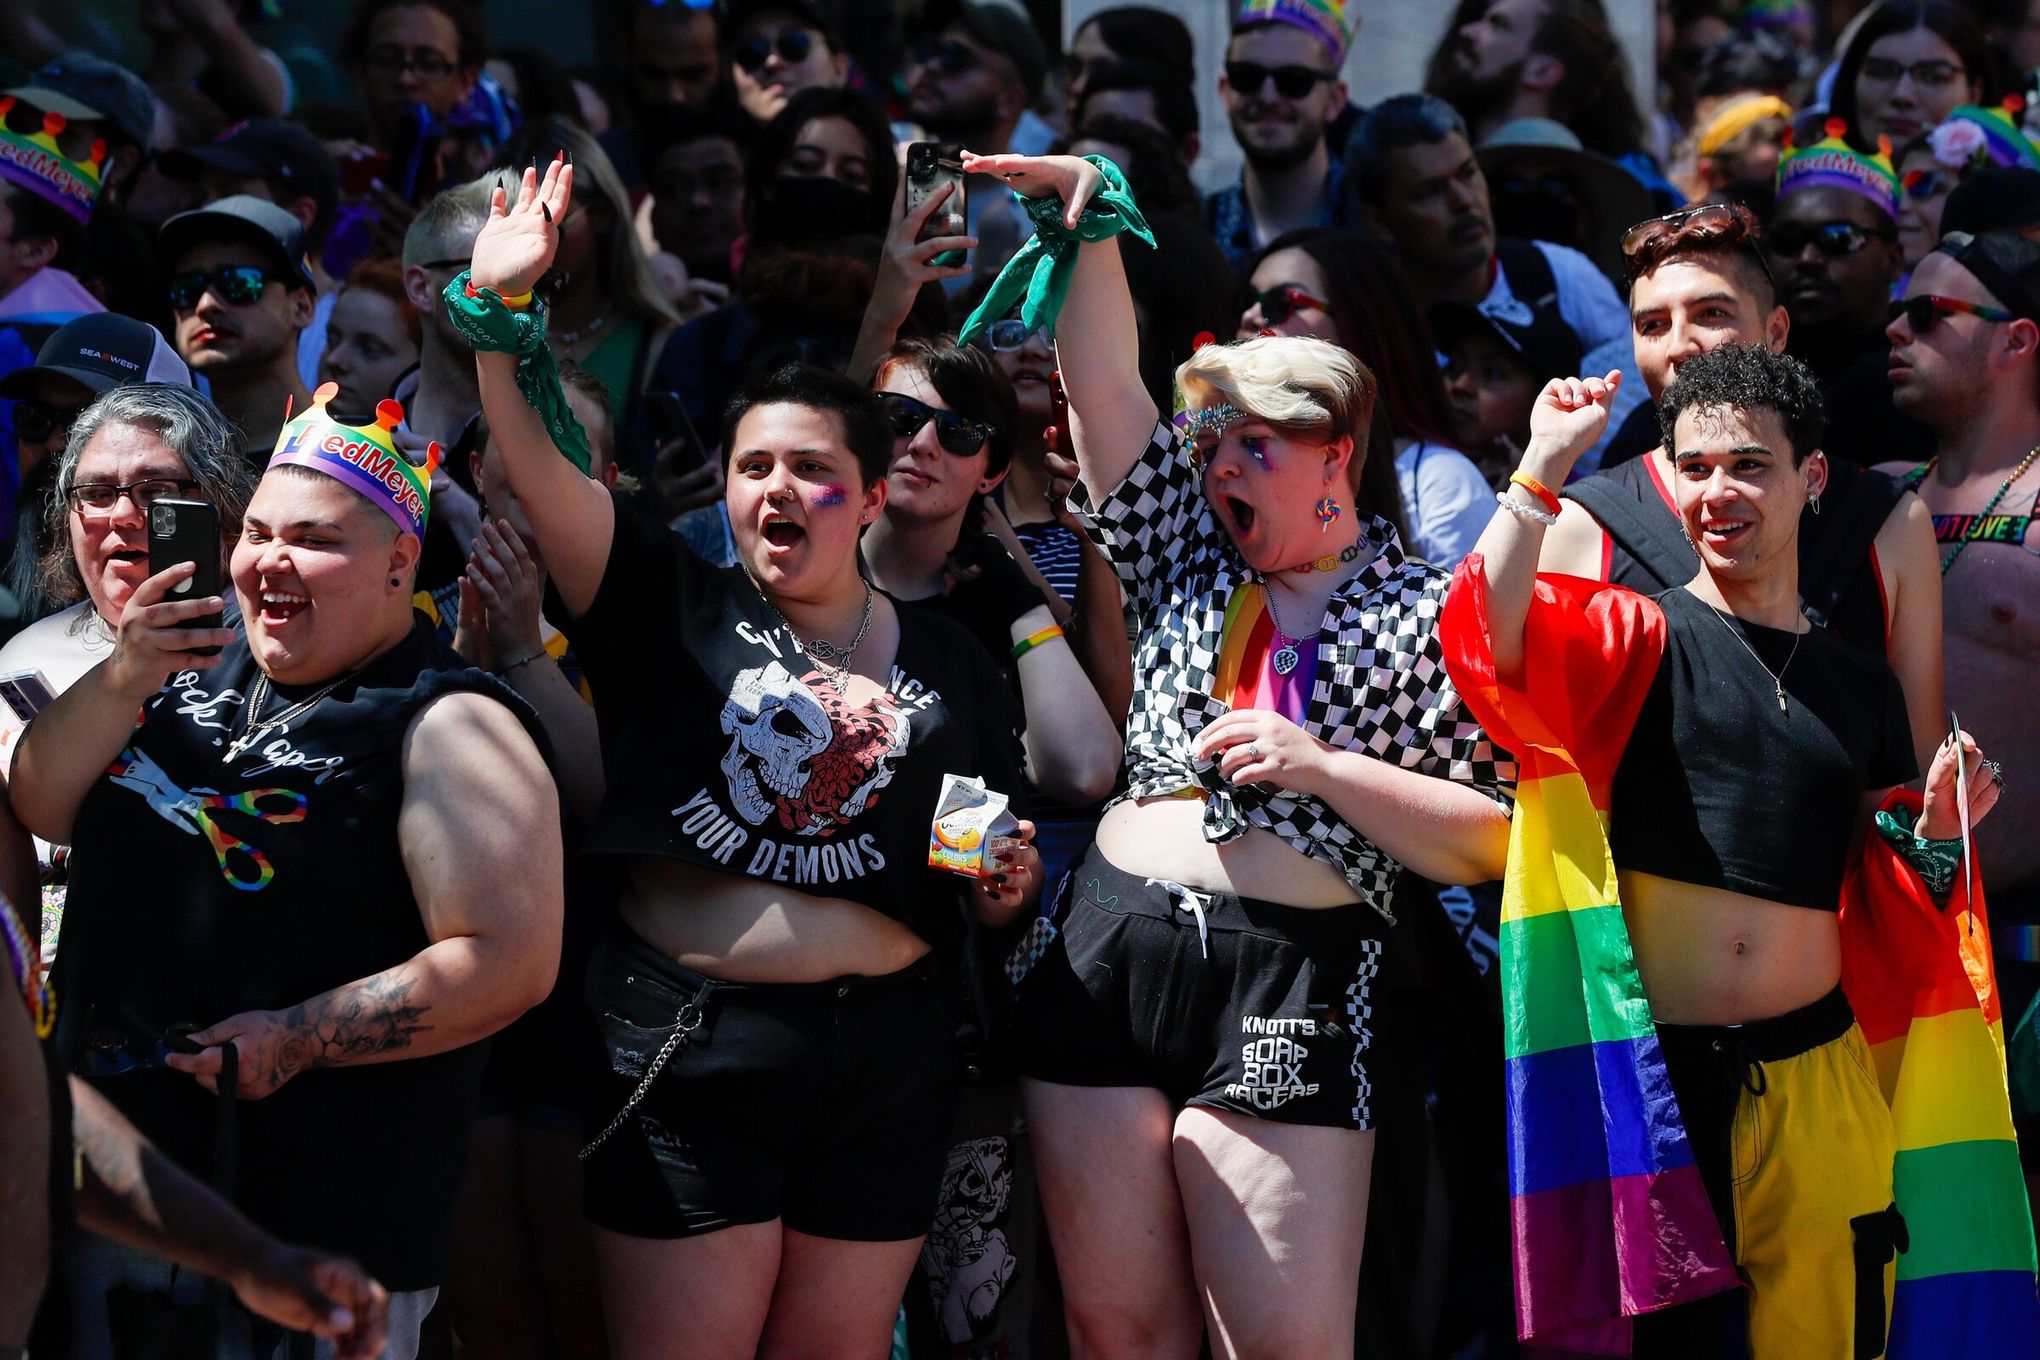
[{"x": 1388, "y": 56}]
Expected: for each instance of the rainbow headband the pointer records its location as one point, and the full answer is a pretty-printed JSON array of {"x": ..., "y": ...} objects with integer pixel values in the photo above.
[
  {"x": 1331, "y": 22},
  {"x": 1971, "y": 136},
  {"x": 364, "y": 457},
  {"x": 1833, "y": 163},
  {"x": 34, "y": 161}
]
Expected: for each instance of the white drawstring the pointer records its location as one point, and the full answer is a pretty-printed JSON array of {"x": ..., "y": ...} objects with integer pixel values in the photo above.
[{"x": 1192, "y": 902}]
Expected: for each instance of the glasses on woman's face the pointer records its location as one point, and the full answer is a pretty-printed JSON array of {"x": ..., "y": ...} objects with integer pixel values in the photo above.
[
  {"x": 956, "y": 434},
  {"x": 1012, "y": 335},
  {"x": 1928, "y": 75},
  {"x": 237, "y": 286},
  {"x": 1923, "y": 310},
  {"x": 96, "y": 500},
  {"x": 1923, "y": 184},
  {"x": 1280, "y": 303},
  {"x": 792, "y": 45},
  {"x": 391, "y": 63}
]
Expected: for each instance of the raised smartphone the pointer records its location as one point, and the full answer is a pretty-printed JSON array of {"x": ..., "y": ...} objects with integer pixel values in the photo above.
[
  {"x": 930, "y": 165},
  {"x": 188, "y": 531}
]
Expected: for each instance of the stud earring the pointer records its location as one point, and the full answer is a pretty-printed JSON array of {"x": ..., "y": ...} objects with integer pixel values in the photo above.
[
  {"x": 396, "y": 581},
  {"x": 1328, "y": 509}
]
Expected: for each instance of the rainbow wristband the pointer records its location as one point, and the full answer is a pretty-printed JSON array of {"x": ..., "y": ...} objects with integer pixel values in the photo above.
[
  {"x": 516, "y": 302},
  {"x": 1033, "y": 640}
]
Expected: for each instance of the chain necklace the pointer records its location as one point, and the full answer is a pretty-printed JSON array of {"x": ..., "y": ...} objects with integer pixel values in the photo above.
[
  {"x": 253, "y": 730},
  {"x": 821, "y": 651},
  {"x": 587, "y": 332},
  {"x": 1777, "y": 678},
  {"x": 1976, "y": 525},
  {"x": 1285, "y": 657}
]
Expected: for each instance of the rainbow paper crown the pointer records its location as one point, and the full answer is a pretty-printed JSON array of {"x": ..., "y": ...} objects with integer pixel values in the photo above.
[
  {"x": 1833, "y": 163},
  {"x": 365, "y": 457},
  {"x": 34, "y": 161},
  {"x": 1972, "y": 137},
  {"x": 1331, "y": 22}
]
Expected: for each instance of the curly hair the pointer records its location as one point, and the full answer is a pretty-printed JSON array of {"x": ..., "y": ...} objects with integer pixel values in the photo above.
[{"x": 1748, "y": 378}]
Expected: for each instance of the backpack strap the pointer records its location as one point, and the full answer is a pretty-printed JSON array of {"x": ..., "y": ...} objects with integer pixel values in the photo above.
[
  {"x": 1640, "y": 528},
  {"x": 1530, "y": 278}
]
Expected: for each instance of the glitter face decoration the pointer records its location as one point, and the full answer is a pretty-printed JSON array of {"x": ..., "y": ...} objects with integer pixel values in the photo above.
[
  {"x": 365, "y": 457},
  {"x": 829, "y": 495},
  {"x": 1214, "y": 421}
]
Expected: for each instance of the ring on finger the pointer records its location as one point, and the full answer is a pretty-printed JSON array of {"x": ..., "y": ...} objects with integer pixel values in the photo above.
[
  {"x": 1996, "y": 771},
  {"x": 1251, "y": 751}
]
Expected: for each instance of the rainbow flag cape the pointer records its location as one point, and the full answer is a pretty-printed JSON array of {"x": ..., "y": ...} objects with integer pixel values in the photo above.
[
  {"x": 1924, "y": 990},
  {"x": 1609, "y": 1217}
]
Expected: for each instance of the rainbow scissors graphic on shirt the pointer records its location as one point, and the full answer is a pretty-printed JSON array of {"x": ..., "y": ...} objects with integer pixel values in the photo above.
[{"x": 244, "y": 865}]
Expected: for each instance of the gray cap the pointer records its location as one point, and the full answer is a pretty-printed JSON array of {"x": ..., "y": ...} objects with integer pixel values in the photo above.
[{"x": 242, "y": 217}]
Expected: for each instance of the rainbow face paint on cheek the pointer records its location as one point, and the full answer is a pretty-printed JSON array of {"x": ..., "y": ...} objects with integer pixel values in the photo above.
[{"x": 827, "y": 495}]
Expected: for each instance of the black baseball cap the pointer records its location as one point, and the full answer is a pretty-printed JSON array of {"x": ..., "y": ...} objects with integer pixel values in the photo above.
[
  {"x": 2002, "y": 198},
  {"x": 806, "y": 12},
  {"x": 998, "y": 26},
  {"x": 2002, "y": 261},
  {"x": 83, "y": 86},
  {"x": 264, "y": 148},
  {"x": 243, "y": 217},
  {"x": 1535, "y": 333},
  {"x": 102, "y": 350}
]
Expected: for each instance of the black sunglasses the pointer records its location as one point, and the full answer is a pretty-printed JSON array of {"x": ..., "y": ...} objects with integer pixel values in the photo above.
[
  {"x": 35, "y": 422},
  {"x": 1922, "y": 310},
  {"x": 793, "y": 47},
  {"x": 956, "y": 434},
  {"x": 238, "y": 286},
  {"x": 1291, "y": 82},
  {"x": 950, "y": 57},
  {"x": 1834, "y": 239}
]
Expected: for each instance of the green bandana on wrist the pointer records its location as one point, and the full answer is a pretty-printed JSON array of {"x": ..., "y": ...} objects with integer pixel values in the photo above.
[
  {"x": 480, "y": 316},
  {"x": 1934, "y": 861},
  {"x": 1038, "y": 276}
]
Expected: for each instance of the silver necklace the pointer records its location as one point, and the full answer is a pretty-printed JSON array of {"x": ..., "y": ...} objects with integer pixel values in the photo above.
[
  {"x": 1285, "y": 646},
  {"x": 1777, "y": 678},
  {"x": 253, "y": 730},
  {"x": 588, "y": 332},
  {"x": 821, "y": 651}
]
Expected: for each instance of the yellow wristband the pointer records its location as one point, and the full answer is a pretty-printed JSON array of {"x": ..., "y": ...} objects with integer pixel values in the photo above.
[
  {"x": 1033, "y": 640},
  {"x": 517, "y": 302}
]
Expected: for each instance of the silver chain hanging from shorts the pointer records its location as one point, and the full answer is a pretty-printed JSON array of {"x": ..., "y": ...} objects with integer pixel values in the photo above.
[{"x": 684, "y": 1024}]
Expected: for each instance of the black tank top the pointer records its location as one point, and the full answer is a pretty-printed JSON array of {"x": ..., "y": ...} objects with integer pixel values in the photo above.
[
  {"x": 1720, "y": 788},
  {"x": 201, "y": 888},
  {"x": 1838, "y": 578}
]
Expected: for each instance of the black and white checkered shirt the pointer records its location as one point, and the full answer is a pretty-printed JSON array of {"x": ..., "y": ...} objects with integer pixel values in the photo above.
[{"x": 1380, "y": 686}]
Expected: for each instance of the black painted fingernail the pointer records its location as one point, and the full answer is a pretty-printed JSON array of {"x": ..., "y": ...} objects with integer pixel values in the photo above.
[{"x": 548, "y": 213}]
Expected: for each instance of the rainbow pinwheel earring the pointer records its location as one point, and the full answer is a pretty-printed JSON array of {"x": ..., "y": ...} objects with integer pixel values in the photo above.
[{"x": 1328, "y": 509}]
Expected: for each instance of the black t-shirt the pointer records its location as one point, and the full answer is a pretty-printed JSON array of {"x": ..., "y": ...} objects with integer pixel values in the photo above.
[
  {"x": 202, "y": 887},
  {"x": 1719, "y": 788},
  {"x": 725, "y": 747}
]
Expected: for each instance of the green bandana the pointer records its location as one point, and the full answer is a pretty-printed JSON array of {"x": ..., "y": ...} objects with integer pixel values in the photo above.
[
  {"x": 1038, "y": 277},
  {"x": 479, "y": 314}
]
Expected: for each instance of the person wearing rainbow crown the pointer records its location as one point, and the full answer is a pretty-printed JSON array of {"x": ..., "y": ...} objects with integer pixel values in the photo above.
[
  {"x": 46, "y": 196},
  {"x": 1969, "y": 139},
  {"x": 330, "y": 727},
  {"x": 1832, "y": 245}
]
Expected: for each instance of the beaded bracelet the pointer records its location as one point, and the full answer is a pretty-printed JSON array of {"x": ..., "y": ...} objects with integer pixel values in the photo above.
[
  {"x": 1525, "y": 511},
  {"x": 1033, "y": 640}
]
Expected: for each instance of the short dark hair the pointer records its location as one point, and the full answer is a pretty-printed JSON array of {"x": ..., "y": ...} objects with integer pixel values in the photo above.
[
  {"x": 1138, "y": 31},
  {"x": 1405, "y": 120},
  {"x": 1691, "y": 233},
  {"x": 865, "y": 428},
  {"x": 1748, "y": 378},
  {"x": 973, "y": 384},
  {"x": 774, "y": 141},
  {"x": 465, "y": 14},
  {"x": 1175, "y": 104},
  {"x": 1158, "y": 177}
]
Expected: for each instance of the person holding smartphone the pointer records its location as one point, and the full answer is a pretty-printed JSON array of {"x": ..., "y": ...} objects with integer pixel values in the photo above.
[
  {"x": 767, "y": 1157},
  {"x": 208, "y": 798}
]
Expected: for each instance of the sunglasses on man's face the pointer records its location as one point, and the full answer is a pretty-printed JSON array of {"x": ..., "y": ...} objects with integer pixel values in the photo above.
[
  {"x": 793, "y": 47},
  {"x": 1291, "y": 82},
  {"x": 956, "y": 434},
  {"x": 1922, "y": 310},
  {"x": 1279, "y": 304},
  {"x": 237, "y": 286},
  {"x": 37, "y": 422},
  {"x": 1834, "y": 239},
  {"x": 949, "y": 57}
]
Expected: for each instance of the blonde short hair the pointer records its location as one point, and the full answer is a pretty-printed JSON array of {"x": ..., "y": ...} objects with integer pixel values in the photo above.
[{"x": 1306, "y": 388}]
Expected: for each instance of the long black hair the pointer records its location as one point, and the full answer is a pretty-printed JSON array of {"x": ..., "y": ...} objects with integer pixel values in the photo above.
[{"x": 1947, "y": 21}]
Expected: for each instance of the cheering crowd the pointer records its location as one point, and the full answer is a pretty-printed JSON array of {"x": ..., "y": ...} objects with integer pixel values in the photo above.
[{"x": 780, "y": 698}]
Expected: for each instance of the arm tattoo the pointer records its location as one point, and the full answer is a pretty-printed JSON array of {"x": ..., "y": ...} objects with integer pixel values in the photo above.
[{"x": 365, "y": 1020}]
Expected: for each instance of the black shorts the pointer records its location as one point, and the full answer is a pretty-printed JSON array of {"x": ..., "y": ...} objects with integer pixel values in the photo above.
[
  {"x": 1259, "y": 1009},
  {"x": 825, "y": 1105}
]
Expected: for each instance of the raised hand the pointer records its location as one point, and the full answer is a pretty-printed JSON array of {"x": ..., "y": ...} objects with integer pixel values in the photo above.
[
  {"x": 517, "y": 244},
  {"x": 150, "y": 642},
  {"x": 1071, "y": 178},
  {"x": 1569, "y": 415}
]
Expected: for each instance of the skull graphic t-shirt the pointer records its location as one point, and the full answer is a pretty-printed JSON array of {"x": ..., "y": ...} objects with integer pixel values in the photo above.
[{"x": 727, "y": 747}]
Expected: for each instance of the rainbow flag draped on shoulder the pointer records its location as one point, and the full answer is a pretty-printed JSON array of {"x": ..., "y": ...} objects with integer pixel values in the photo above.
[
  {"x": 1924, "y": 990},
  {"x": 1609, "y": 1218}
]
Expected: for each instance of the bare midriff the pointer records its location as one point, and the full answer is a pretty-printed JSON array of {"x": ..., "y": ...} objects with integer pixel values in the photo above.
[
  {"x": 1713, "y": 957},
  {"x": 746, "y": 930},
  {"x": 1164, "y": 838}
]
